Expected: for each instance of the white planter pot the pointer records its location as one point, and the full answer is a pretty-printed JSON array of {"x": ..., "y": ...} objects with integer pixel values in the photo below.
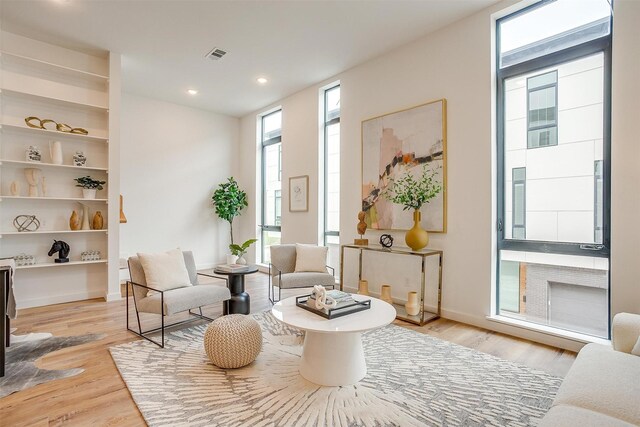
[
  {"x": 89, "y": 193},
  {"x": 231, "y": 259}
]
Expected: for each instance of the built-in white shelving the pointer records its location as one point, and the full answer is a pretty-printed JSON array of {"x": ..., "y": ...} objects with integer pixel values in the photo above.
[
  {"x": 39, "y": 79},
  {"x": 50, "y": 165},
  {"x": 62, "y": 264},
  {"x": 5, "y": 127}
]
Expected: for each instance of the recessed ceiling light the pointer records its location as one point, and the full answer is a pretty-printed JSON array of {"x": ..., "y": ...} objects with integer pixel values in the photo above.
[
  {"x": 192, "y": 92},
  {"x": 262, "y": 80}
]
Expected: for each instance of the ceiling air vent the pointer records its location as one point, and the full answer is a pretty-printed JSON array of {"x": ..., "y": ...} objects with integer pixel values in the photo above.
[{"x": 216, "y": 53}]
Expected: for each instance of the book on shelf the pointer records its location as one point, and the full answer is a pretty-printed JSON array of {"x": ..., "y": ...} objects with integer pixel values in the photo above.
[{"x": 232, "y": 268}]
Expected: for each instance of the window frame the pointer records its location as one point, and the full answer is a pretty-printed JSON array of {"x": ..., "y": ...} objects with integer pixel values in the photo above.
[
  {"x": 264, "y": 144},
  {"x": 326, "y": 123}
]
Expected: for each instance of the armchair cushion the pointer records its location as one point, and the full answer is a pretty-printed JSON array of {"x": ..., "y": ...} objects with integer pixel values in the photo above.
[
  {"x": 625, "y": 331},
  {"x": 182, "y": 299},
  {"x": 303, "y": 280},
  {"x": 165, "y": 271},
  {"x": 636, "y": 348},
  {"x": 311, "y": 258}
]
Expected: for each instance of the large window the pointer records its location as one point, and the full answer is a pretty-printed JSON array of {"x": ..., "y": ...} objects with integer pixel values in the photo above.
[
  {"x": 331, "y": 123},
  {"x": 271, "y": 173},
  {"x": 553, "y": 70}
]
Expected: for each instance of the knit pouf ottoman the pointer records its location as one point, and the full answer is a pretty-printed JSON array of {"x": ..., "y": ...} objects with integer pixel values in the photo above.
[{"x": 233, "y": 341}]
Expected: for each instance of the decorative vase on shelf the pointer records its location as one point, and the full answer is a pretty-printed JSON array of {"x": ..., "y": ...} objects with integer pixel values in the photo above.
[
  {"x": 412, "y": 306},
  {"x": 416, "y": 238},
  {"x": 98, "y": 221},
  {"x": 79, "y": 159},
  {"x": 89, "y": 193},
  {"x": 385, "y": 294},
  {"x": 55, "y": 150},
  {"x": 85, "y": 218},
  {"x": 74, "y": 221},
  {"x": 231, "y": 259},
  {"x": 363, "y": 287}
]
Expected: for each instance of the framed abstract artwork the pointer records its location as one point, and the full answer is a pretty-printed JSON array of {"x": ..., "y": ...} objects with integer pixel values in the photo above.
[
  {"x": 299, "y": 193},
  {"x": 401, "y": 143}
]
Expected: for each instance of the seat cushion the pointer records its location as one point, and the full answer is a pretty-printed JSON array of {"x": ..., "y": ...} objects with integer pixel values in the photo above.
[
  {"x": 183, "y": 299},
  {"x": 603, "y": 380},
  {"x": 303, "y": 280},
  {"x": 564, "y": 415}
]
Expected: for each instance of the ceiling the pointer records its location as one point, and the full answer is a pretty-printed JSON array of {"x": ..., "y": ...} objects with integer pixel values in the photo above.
[{"x": 294, "y": 44}]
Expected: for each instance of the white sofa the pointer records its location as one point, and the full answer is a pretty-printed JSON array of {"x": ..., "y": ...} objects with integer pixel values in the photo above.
[{"x": 602, "y": 387}]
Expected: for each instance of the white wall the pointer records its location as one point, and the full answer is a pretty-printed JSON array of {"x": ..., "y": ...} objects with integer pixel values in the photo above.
[
  {"x": 172, "y": 157},
  {"x": 455, "y": 63}
]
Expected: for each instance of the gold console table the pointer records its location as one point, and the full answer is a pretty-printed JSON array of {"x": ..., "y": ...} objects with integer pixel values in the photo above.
[{"x": 423, "y": 316}]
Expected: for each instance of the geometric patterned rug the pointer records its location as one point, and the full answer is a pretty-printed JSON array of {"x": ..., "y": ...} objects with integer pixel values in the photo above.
[{"x": 412, "y": 379}]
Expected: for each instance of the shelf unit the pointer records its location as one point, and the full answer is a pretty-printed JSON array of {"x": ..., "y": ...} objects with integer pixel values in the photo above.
[
  {"x": 424, "y": 316},
  {"x": 50, "y": 82}
]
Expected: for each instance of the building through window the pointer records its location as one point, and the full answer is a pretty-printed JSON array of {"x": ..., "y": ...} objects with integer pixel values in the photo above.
[
  {"x": 554, "y": 85},
  {"x": 331, "y": 143},
  {"x": 271, "y": 182}
]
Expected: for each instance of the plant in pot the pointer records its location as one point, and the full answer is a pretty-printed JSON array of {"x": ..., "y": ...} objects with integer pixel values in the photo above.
[
  {"x": 89, "y": 186},
  {"x": 229, "y": 200},
  {"x": 413, "y": 193},
  {"x": 240, "y": 250}
]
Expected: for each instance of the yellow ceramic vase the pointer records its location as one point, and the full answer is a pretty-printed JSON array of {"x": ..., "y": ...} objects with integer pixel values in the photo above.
[{"x": 416, "y": 238}]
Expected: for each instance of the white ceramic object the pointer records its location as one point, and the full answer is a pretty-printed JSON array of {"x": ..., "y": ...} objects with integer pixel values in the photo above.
[
  {"x": 85, "y": 217},
  {"x": 241, "y": 260},
  {"x": 15, "y": 188},
  {"x": 412, "y": 306},
  {"x": 33, "y": 179},
  {"x": 55, "y": 150},
  {"x": 332, "y": 353},
  {"x": 89, "y": 193},
  {"x": 231, "y": 259}
]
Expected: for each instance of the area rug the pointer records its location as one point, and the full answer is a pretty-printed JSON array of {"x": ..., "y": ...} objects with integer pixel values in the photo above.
[
  {"x": 412, "y": 380},
  {"x": 20, "y": 369}
]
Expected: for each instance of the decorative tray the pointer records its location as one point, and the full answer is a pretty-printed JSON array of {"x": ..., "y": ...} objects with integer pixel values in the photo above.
[{"x": 333, "y": 313}]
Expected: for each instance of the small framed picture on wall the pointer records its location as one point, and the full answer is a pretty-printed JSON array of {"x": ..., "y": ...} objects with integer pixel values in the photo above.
[{"x": 299, "y": 193}]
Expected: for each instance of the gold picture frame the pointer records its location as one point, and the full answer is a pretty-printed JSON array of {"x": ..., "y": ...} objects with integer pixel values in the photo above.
[
  {"x": 393, "y": 144},
  {"x": 299, "y": 193}
]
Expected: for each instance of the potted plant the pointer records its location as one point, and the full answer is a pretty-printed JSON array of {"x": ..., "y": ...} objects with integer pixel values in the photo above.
[
  {"x": 229, "y": 200},
  {"x": 240, "y": 250},
  {"x": 89, "y": 186},
  {"x": 413, "y": 193}
]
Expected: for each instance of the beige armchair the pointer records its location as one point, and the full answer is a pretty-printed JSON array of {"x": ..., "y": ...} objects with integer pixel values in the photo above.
[
  {"x": 282, "y": 273},
  {"x": 166, "y": 303}
]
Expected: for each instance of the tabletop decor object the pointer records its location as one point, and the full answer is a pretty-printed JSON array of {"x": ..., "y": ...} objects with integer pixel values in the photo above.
[
  {"x": 363, "y": 287},
  {"x": 412, "y": 306},
  {"x": 89, "y": 186},
  {"x": 32, "y": 176},
  {"x": 62, "y": 248},
  {"x": 386, "y": 240},
  {"x": 24, "y": 259},
  {"x": 33, "y": 154},
  {"x": 79, "y": 159},
  {"x": 98, "y": 221},
  {"x": 14, "y": 189},
  {"x": 35, "y": 122},
  {"x": 74, "y": 221},
  {"x": 26, "y": 223},
  {"x": 385, "y": 294},
  {"x": 240, "y": 250},
  {"x": 55, "y": 152},
  {"x": 362, "y": 228}
]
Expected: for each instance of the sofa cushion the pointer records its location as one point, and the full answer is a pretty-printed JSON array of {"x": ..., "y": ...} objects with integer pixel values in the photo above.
[
  {"x": 166, "y": 270},
  {"x": 636, "y": 348},
  {"x": 182, "y": 299},
  {"x": 311, "y": 258},
  {"x": 303, "y": 280},
  {"x": 563, "y": 416},
  {"x": 603, "y": 380}
]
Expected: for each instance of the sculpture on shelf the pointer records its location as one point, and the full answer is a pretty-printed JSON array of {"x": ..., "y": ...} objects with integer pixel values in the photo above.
[
  {"x": 98, "y": 221},
  {"x": 26, "y": 223},
  {"x": 123, "y": 218},
  {"x": 74, "y": 221},
  {"x": 386, "y": 240},
  {"x": 63, "y": 251},
  {"x": 35, "y": 122},
  {"x": 362, "y": 228},
  {"x": 85, "y": 217},
  {"x": 33, "y": 179}
]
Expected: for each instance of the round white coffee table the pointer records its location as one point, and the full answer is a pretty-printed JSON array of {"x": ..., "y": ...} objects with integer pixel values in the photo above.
[{"x": 332, "y": 353}]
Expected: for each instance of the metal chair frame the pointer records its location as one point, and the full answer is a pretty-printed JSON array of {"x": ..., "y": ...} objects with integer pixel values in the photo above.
[
  {"x": 143, "y": 334},
  {"x": 272, "y": 291}
]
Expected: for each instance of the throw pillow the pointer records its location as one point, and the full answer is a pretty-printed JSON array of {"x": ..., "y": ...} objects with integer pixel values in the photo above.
[
  {"x": 311, "y": 258},
  {"x": 636, "y": 348},
  {"x": 165, "y": 271}
]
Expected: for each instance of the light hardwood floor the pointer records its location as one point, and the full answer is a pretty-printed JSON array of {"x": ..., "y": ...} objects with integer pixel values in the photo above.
[{"x": 99, "y": 397}]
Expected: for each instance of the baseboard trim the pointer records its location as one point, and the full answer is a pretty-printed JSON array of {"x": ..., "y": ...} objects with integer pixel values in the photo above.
[{"x": 59, "y": 299}]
